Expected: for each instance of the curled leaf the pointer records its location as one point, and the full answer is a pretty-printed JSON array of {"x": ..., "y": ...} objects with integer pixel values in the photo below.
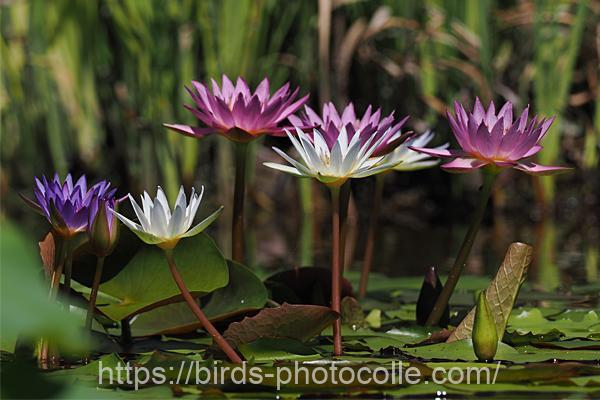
[{"x": 502, "y": 291}]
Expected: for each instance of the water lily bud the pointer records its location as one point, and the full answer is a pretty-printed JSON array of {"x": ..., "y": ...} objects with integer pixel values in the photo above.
[
  {"x": 430, "y": 290},
  {"x": 103, "y": 229},
  {"x": 485, "y": 337}
]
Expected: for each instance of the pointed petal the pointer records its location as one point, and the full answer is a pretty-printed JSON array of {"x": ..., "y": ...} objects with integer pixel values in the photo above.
[
  {"x": 463, "y": 164},
  {"x": 204, "y": 224},
  {"x": 284, "y": 168},
  {"x": 190, "y": 130},
  {"x": 541, "y": 170},
  {"x": 437, "y": 152}
]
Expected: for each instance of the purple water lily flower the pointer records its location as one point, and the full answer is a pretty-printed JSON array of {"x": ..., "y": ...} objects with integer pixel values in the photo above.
[
  {"x": 487, "y": 138},
  {"x": 370, "y": 124},
  {"x": 236, "y": 112},
  {"x": 69, "y": 207}
]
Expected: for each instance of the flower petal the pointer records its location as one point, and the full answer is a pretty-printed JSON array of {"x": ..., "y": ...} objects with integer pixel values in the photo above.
[
  {"x": 463, "y": 164},
  {"x": 204, "y": 224},
  {"x": 437, "y": 152},
  {"x": 190, "y": 130},
  {"x": 540, "y": 170}
]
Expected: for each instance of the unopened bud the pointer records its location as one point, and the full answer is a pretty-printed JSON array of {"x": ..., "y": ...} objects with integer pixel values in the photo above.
[
  {"x": 430, "y": 291},
  {"x": 485, "y": 336},
  {"x": 103, "y": 230}
]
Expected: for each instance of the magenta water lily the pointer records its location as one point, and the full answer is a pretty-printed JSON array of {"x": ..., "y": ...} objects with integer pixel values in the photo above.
[
  {"x": 69, "y": 206},
  {"x": 238, "y": 113},
  {"x": 241, "y": 116},
  {"x": 487, "y": 138},
  {"x": 386, "y": 131}
]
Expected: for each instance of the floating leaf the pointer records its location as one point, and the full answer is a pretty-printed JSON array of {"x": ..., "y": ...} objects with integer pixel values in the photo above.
[
  {"x": 290, "y": 321},
  {"x": 277, "y": 349},
  {"x": 502, "y": 291},
  {"x": 244, "y": 292},
  {"x": 146, "y": 282},
  {"x": 463, "y": 350},
  {"x": 532, "y": 321}
]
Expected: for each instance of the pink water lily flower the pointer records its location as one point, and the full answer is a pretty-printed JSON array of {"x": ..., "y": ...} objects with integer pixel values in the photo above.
[
  {"x": 236, "y": 112},
  {"x": 331, "y": 123},
  {"x": 487, "y": 138}
]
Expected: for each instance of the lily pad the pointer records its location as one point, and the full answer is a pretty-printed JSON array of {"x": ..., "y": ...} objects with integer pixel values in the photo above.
[
  {"x": 291, "y": 321},
  {"x": 532, "y": 321},
  {"x": 146, "y": 282},
  {"x": 244, "y": 292},
  {"x": 463, "y": 350}
]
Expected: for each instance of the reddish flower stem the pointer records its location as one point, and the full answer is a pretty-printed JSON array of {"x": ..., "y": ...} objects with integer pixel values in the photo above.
[
  {"x": 52, "y": 294},
  {"x": 345, "y": 191},
  {"x": 237, "y": 229},
  {"x": 208, "y": 326},
  {"x": 489, "y": 177},
  {"x": 336, "y": 272},
  {"x": 371, "y": 234},
  {"x": 94, "y": 294}
]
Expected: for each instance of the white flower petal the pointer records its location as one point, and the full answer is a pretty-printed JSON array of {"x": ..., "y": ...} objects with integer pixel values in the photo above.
[
  {"x": 159, "y": 222},
  {"x": 176, "y": 224},
  {"x": 285, "y": 168},
  {"x": 140, "y": 214},
  {"x": 181, "y": 200},
  {"x": 162, "y": 199},
  {"x": 204, "y": 224}
]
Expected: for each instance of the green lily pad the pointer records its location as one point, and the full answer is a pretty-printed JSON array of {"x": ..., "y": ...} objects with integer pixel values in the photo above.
[
  {"x": 463, "y": 350},
  {"x": 244, "y": 292},
  {"x": 146, "y": 282},
  {"x": 532, "y": 321},
  {"x": 277, "y": 349}
]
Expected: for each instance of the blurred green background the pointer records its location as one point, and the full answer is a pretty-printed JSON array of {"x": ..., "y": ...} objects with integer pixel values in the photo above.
[{"x": 87, "y": 84}]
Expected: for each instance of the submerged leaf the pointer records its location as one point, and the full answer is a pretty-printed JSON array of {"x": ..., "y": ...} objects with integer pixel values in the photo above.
[{"x": 502, "y": 292}]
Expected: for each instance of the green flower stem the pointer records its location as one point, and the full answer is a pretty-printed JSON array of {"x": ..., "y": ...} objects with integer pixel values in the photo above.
[
  {"x": 94, "y": 294},
  {"x": 336, "y": 272},
  {"x": 371, "y": 233},
  {"x": 208, "y": 326},
  {"x": 489, "y": 177},
  {"x": 237, "y": 229}
]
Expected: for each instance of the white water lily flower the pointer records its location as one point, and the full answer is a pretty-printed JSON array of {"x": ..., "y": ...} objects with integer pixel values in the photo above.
[
  {"x": 410, "y": 160},
  {"x": 346, "y": 158},
  {"x": 159, "y": 226}
]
